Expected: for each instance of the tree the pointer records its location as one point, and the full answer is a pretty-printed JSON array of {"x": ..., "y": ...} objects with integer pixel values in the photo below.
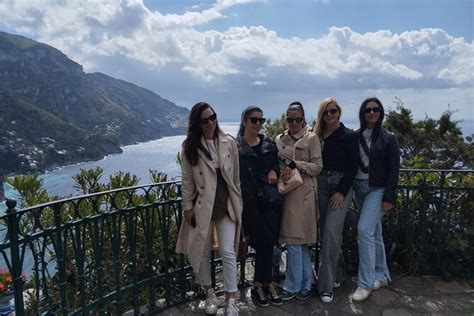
[
  {"x": 272, "y": 129},
  {"x": 429, "y": 143}
]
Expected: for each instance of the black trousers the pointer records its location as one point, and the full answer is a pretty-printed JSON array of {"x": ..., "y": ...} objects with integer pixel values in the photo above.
[{"x": 264, "y": 263}]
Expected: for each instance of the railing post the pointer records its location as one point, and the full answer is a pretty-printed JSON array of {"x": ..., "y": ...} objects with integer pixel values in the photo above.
[
  {"x": 15, "y": 257},
  {"x": 441, "y": 214}
]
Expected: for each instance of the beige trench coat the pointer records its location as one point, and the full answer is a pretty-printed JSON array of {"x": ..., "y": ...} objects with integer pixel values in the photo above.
[
  {"x": 201, "y": 181},
  {"x": 300, "y": 211}
]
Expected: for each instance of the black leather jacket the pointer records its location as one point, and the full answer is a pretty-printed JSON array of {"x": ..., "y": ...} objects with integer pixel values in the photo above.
[
  {"x": 384, "y": 164},
  {"x": 256, "y": 219}
]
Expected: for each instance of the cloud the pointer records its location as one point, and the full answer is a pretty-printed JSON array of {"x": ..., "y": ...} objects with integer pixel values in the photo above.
[
  {"x": 259, "y": 83},
  {"x": 120, "y": 36}
]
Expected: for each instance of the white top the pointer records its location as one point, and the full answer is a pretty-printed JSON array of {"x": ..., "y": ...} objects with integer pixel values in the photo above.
[
  {"x": 367, "y": 134},
  {"x": 211, "y": 146}
]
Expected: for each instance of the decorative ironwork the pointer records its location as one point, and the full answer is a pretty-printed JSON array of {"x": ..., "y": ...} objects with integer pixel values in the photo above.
[
  {"x": 113, "y": 251},
  {"x": 103, "y": 253}
]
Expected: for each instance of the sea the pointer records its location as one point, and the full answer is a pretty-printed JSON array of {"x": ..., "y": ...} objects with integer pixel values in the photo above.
[{"x": 137, "y": 159}]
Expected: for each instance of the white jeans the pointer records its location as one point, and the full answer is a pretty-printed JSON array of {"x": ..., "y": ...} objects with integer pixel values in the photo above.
[{"x": 226, "y": 235}]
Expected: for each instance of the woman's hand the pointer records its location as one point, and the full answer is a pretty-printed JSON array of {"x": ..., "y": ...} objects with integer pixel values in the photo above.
[
  {"x": 272, "y": 177},
  {"x": 387, "y": 206},
  {"x": 188, "y": 215},
  {"x": 336, "y": 200},
  {"x": 286, "y": 174}
]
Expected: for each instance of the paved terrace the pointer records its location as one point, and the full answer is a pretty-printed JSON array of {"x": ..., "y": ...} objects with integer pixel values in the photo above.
[{"x": 404, "y": 296}]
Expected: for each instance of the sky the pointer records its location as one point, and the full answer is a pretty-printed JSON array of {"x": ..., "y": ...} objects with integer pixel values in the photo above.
[{"x": 235, "y": 53}]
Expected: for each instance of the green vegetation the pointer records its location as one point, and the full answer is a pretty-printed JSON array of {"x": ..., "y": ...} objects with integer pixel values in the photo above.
[
  {"x": 430, "y": 143},
  {"x": 108, "y": 240}
]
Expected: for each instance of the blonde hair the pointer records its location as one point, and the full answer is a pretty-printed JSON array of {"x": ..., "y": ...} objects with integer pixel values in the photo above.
[{"x": 320, "y": 125}]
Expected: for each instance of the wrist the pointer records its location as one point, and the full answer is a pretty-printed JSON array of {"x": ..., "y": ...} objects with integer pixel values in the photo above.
[{"x": 292, "y": 164}]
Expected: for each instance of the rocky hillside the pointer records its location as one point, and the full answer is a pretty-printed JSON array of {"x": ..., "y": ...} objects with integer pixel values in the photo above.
[{"x": 53, "y": 113}]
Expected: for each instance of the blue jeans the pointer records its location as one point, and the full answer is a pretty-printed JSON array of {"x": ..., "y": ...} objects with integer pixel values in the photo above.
[
  {"x": 372, "y": 260},
  {"x": 298, "y": 275}
]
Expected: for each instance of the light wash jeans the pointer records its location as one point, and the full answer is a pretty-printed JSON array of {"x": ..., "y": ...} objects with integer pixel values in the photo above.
[
  {"x": 298, "y": 275},
  {"x": 372, "y": 260},
  {"x": 225, "y": 235}
]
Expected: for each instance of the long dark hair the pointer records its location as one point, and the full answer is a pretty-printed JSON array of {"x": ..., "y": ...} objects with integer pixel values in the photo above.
[
  {"x": 193, "y": 137},
  {"x": 245, "y": 116},
  {"x": 363, "y": 123}
]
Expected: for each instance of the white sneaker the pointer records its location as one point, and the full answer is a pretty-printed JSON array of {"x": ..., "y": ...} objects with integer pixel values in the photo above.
[
  {"x": 210, "y": 306},
  {"x": 361, "y": 294},
  {"x": 231, "y": 308},
  {"x": 380, "y": 283},
  {"x": 327, "y": 297}
]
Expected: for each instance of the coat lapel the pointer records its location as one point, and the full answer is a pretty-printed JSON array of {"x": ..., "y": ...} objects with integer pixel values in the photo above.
[{"x": 223, "y": 151}]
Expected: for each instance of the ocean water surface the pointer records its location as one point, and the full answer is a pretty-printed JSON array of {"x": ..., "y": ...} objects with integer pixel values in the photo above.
[{"x": 137, "y": 159}]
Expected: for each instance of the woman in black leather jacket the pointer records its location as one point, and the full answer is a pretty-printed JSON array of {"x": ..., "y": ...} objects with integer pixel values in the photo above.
[
  {"x": 262, "y": 204},
  {"x": 375, "y": 187}
]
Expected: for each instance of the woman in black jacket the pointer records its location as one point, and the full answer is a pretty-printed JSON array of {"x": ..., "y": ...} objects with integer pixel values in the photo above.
[
  {"x": 340, "y": 163},
  {"x": 262, "y": 203},
  {"x": 375, "y": 188}
]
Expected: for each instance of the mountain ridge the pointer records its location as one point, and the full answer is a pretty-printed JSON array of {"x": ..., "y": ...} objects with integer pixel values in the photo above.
[{"x": 53, "y": 113}]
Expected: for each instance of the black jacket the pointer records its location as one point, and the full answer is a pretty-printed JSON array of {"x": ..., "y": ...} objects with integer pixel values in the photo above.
[
  {"x": 384, "y": 163},
  {"x": 260, "y": 222},
  {"x": 341, "y": 153}
]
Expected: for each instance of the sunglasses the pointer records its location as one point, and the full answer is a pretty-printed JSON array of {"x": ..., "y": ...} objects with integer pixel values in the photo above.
[
  {"x": 255, "y": 120},
  {"x": 331, "y": 111},
  {"x": 291, "y": 120},
  {"x": 206, "y": 120},
  {"x": 370, "y": 110}
]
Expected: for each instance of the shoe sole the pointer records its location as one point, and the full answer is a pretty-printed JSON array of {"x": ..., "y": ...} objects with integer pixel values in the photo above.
[
  {"x": 276, "y": 304},
  {"x": 285, "y": 299},
  {"x": 303, "y": 298},
  {"x": 260, "y": 304},
  {"x": 359, "y": 300},
  {"x": 327, "y": 299}
]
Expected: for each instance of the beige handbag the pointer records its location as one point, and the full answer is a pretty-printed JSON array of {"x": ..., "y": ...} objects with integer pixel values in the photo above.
[{"x": 295, "y": 180}]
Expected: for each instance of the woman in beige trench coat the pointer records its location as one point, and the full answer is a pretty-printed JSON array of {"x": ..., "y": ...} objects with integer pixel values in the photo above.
[
  {"x": 300, "y": 149},
  {"x": 211, "y": 200}
]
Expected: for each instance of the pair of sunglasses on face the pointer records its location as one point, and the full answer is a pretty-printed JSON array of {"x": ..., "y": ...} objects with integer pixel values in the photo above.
[
  {"x": 206, "y": 120},
  {"x": 291, "y": 120},
  {"x": 255, "y": 120},
  {"x": 370, "y": 110},
  {"x": 331, "y": 111}
]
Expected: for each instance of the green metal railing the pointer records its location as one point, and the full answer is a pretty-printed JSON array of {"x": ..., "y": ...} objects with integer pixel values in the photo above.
[
  {"x": 103, "y": 253},
  {"x": 113, "y": 251}
]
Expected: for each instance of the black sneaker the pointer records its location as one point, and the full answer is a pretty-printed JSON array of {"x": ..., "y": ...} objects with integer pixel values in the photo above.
[
  {"x": 286, "y": 296},
  {"x": 272, "y": 295},
  {"x": 303, "y": 295},
  {"x": 258, "y": 295}
]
